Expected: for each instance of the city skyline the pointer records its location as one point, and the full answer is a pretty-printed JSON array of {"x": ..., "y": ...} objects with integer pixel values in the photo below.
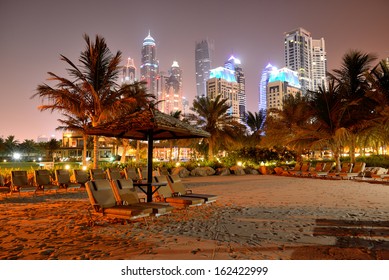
[{"x": 35, "y": 33}]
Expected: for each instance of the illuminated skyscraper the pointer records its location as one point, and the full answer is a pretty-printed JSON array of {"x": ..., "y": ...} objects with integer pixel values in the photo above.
[
  {"x": 263, "y": 86},
  {"x": 319, "y": 64},
  {"x": 129, "y": 72},
  {"x": 171, "y": 95},
  {"x": 235, "y": 65},
  {"x": 222, "y": 81},
  {"x": 203, "y": 65},
  {"x": 307, "y": 57},
  {"x": 150, "y": 65},
  {"x": 281, "y": 83}
]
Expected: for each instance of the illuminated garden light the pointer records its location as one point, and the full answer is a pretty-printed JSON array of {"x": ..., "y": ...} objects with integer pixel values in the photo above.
[
  {"x": 17, "y": 156},
  {"x": 84, "y": 167},
  {"x": 67, "y": 166}
]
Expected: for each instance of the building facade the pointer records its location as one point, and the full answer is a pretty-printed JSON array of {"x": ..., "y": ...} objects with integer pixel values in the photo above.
[
  {"x": 203, "y": 66},
  {"x": 307, "y": 57},
  {"x": 234, "y": 64},
  {"x": 129, "y": 72},
  {"x": 319, "y": 64},
  {"x": 171, "y": 94},
  {"x": 281, "y": 83},
  {"x": 262, "y": 104},
  {"x": 149, "y": 68},
  {"x": 222, "y": 81}
]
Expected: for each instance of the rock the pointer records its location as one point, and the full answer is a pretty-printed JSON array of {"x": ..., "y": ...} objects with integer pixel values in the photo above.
[
  {"x": 223, "y": 171},
  {"x": 199, "y": 171},
  {"x": 237, "y": 170},
  {"x": 250, "y": 170},
  {"x": 182, "y": 172}
]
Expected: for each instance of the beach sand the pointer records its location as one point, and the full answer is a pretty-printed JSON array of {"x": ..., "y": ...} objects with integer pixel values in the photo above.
[{"x": 255, "y": 217}]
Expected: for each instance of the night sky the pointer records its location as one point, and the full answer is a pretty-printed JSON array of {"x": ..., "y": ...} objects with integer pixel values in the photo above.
[{"x": 34, "y": 34}]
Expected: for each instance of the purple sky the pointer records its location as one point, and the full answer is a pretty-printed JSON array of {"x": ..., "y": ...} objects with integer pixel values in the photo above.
[{"x": 34, "y": 33}]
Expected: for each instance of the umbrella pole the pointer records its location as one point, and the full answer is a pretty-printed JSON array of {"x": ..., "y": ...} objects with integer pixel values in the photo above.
[{"x": 149, "y": 166}]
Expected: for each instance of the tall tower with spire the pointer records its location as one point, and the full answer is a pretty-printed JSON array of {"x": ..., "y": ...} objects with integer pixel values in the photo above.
[
  {"x": 150, "y": 65},
  {"x": 129, "y": 72},
  {"x": 172, "y": 92}
]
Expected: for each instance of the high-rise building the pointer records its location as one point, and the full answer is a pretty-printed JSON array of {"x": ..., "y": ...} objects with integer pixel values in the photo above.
[
  {"x": 150, "y": 65},
  {"x": 281, "y": 83},
  {"x": 203, "y": 65},
  {"x": 234, "y": 64},
  {"x": 222, "y": 81},
  {"x": 129, "y": 72},
  {"x": 319, "y": 64},
  {"x": 307, "y": 57},
  {"x": 263, "y": 86},
  {"x": 171, "y": 95}
]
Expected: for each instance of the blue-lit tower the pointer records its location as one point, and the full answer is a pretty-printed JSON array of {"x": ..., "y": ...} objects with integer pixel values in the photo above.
[
  {"x": 262, "y": 105},
  {"x": 150, "y": 66},
  {"x": 281, "y": 83},
  {"x": 222, "y": 81},
  {"x": 235, "y": 65}
]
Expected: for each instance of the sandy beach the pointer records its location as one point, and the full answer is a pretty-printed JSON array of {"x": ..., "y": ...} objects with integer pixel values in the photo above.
[{"x": 265, "y": 217}]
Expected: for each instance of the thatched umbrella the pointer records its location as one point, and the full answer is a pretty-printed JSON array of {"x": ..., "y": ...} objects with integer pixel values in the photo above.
[{"x": 150, "y": 125}]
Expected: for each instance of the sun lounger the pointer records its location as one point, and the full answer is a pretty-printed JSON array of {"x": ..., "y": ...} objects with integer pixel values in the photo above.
[
  {"x": 165, "y": 194},
  {"x": 304, "y": 171},
  {"x": 62, "y": 177},
  {"x": 114, "y": 173},
  {"x": 346, "y": 167},
  {"x": 98, "y": 173},
  {"x": 131, "y": 173},
  {"x": 3, "y": 187},
  {"x": 126, "y": 194},
  {"x": 43, "y": 180},
  {"x": 19, "y": 182},
  {"x": 296, "y": 168},
  {"x": 327, "y": 167},
  {"x": 103, "y": 201},
  {"x": 81, "y": 177},
  {"x": 178, "y": 188},
  {"x": 357, "y": 169}
]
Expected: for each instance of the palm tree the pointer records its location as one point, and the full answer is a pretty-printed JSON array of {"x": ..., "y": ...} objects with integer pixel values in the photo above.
[
  {"x": 10, "y": 144},
  {"x": 354, "y": 88},
  {"x": 212, "y": 116},
  {"x": 93, "y": 91},
  {"x": 256, "y": 124},
  {"x": 28, "y": 147}
]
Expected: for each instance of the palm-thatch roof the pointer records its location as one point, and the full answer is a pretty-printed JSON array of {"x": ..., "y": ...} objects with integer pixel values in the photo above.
[{"x": 141, "y": 124}]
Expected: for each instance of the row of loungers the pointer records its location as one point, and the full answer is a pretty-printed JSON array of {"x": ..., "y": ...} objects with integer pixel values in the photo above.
[
  {"x": 326, "y": 170},
  {"x": 43, "y": 180}
]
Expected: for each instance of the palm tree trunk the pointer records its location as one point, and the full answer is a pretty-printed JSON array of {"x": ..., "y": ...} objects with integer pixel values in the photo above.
[
  {"x": 352, "y": 149},
  {"x": 137, "y": 158},
  {"x": 95, "y": 151},
  {"x": 171, "y": 150},
  {"x": 210, "y": 150},
  {"x": 337, "y": 159},
  {"x": 124, "y": 154},
  {"x": 85, "y": 139}
]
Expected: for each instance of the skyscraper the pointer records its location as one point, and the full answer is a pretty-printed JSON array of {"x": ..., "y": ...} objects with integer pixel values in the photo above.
[
  {"x": 171, "y": 95},
  {"x": 263, "y": 86},
  {"x": 298, "y": 56},
  {"x": 281, "y": 83},
  {"x": 222, "y": 81},
  {"x": 235, "y": 65},
  {"x": 319, "y": 64},
  {"x": 150, "y": 65},
  {"x": 307, "y": 57},
  {"x": 129, "y": 72},
  {"x": 203, "y": 65}
]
